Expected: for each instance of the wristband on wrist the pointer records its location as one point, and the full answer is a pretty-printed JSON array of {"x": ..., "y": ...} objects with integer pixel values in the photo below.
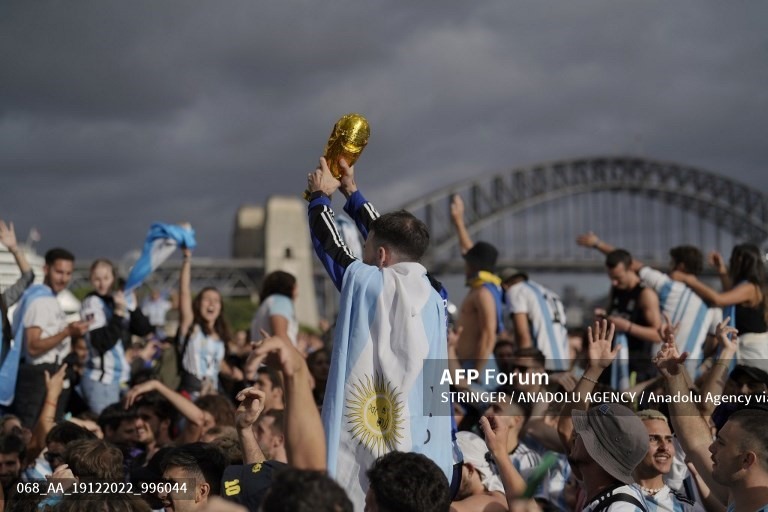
[
  {"x": 317, "y": 193},
  {"x": 589, "y": 379}
]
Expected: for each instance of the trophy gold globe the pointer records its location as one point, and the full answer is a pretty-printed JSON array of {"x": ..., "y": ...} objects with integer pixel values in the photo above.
[{"x": 348, "y": 140}]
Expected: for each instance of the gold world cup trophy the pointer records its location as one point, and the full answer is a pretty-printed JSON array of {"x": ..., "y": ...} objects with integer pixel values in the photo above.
[{"x": 348, "y": 139}]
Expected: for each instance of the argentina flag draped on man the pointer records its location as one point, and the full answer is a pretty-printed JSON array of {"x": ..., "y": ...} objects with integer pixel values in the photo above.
[
  {"x": 390, "y": 344},
  {"x": 375, "y": 394}
]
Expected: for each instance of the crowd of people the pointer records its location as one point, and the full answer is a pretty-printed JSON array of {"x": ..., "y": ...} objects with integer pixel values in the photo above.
[{"x": 164, "y": 406}]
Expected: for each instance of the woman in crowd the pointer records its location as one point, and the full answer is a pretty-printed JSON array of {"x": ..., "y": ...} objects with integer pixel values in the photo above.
[
  {"x": 276, "y": 314},
  {"x": 744, "y": 298},
  {"x": 202, "y": 336},
  {"x": 110, "y": 327}
]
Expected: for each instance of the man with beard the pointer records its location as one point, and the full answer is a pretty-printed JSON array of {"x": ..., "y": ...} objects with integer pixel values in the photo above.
[
  {"x": 119, "y": 425},
  {"x": 12, "y": 453},
  {"x": 156, "y": 417},
  {"x": 740, "y": 460},
  {"x": 44, "y": 337},
  {"x": 649, "y": 474},
  {"x": 270, "y": 436},
  {"x": 121, "y": 428},
  {"x": 194, "y": 472}
]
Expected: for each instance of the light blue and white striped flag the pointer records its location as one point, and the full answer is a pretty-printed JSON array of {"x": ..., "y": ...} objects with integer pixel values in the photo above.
[
  {"x": 391, "y": 320},
  {"x": 620, "y": 378},
  {"x": 162, "y": 240}
]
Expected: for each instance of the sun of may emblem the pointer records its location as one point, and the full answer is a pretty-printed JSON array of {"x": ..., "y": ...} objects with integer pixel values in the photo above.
[{"x": 374, "y": 412}]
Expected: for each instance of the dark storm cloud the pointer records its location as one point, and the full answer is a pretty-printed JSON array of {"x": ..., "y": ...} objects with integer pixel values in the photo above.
[{"x": 117, "y": 114}]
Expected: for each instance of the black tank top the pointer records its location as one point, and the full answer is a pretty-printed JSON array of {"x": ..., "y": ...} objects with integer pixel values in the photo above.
[
  {"x": 750, "y": 320},
  {"x": 625, "y": 303}
]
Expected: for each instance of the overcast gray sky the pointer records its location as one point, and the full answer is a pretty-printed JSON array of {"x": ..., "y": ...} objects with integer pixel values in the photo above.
[{"x": 117, "y": 114}]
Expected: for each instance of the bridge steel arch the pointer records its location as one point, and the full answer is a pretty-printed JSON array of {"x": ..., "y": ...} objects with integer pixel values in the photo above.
[{"x": 728, "y": 204}]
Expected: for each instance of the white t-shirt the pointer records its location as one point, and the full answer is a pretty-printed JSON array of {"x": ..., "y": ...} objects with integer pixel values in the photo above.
[
  {"x": 203, "y": 355},
  {"x": 686, "y": 308},
  {"x": 666, "y": 500},
  {"x": 279, "y": 305},
  {"x": 46, "y": 313},
  {"x": 155, "y": 311},
  {"x": 546, "y": 317}
]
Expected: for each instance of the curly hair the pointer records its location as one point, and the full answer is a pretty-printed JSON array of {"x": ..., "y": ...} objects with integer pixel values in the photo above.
[{"x": 409, "y": 482}]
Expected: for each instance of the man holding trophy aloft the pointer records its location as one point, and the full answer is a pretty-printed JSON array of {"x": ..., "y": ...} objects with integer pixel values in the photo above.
[{"x": 380, "y": 396}]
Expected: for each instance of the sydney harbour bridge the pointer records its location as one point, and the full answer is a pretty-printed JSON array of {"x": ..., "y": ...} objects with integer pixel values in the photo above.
[{"x": 533, "y": 215}]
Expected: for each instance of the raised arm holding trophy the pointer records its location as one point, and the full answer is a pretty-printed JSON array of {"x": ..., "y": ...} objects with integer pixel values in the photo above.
[{"x": 348, "y": 139}]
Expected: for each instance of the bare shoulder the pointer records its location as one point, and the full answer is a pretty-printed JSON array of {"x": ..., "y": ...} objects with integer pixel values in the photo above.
[
  {"x": 648, "y": 295},
  {"x": 487, "y": 502}
]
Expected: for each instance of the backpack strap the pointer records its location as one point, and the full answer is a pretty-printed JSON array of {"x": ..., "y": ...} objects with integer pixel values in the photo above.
[{"x": 619, "y": 496}]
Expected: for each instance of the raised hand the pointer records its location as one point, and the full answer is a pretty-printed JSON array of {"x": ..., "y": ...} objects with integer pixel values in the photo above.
[
  {"x": 136, "y": 391},
  {"x": 667, "y": 359},
  {"x": 457, "y": 207},
  {"x": 588, "y": 239},
  {"x": 716, "y": 260},
  {"x": 495, "y": 432},
  {"x": 600, "y": 338},
  {"x": 726, "y": 335},
  {"x": 322, "y": 179},
  {"x": 277, "y": 353},
  {"x": 347, "y": 179},
  {"x": 121, "y": 306},
  {"x": 54, "y": 384},
  {"x": 250, "y": 408},
  {"x": 8, "y": 236},
  {"x": 668, "y": 331}
]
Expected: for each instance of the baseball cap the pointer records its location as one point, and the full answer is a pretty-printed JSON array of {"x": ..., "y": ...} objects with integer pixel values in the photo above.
[
  {"x": 248, "y": 484},
  {"x": 482, "y": 256},
  {"x": 750, "y": 372},
  {"x": 475, "y": 452},
  {"x": 614, "y": 437}
]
